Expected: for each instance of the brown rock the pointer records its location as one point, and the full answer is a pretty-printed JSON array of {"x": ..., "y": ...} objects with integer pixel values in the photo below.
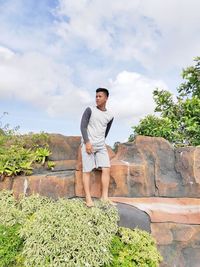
[
  {"x": 160, "y": 160},
  {"x": 178, "y": 244},
  {"x": 151, "y": 167},
  {"x": 151, "y": 162},
  {"x": 6, "y": 183},
  {"x": 188, "y": 164},
  {"x": 64, "y": 165},
  {"x": 176, "y": 210},
  {"x": 118, "y": 178},
  {"x": 146, "y": 167},
  {"x": 51, "y": 186},
  {"x": 185, "y": 233},
  {"x": 63, "y": 147},
  {"x": 162, "y": 233},
  {"x": 138, "y": 182}
]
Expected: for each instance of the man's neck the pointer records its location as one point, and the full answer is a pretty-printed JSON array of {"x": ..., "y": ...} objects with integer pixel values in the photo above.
[{"x": 102, "y": 108}]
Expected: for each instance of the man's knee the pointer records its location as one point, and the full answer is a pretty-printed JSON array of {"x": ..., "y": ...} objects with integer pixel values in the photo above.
[{"x": 106, "y": 170}]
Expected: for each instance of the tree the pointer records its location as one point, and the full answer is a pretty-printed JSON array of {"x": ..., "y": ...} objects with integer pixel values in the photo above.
[{"x": 178, "y": 120}]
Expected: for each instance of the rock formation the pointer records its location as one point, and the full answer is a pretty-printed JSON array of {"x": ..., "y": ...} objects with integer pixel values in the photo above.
[{"x": 156, "y": 186}]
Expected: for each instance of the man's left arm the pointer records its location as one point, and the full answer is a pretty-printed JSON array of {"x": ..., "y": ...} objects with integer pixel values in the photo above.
[{"x": 108, "y": 127}]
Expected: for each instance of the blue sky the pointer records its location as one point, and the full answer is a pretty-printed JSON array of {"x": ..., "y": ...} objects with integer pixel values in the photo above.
[{"x": 54, "y": 54}]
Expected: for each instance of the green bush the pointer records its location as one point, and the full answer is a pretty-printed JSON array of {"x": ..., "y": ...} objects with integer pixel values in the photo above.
[
  {"x": 67, "y": 233},
  {"x": 134, "y": 248},
  {"x": 30, "y": 205},
  {"x": 9, "y": 212},
  {"x": 154, "y": 126},
  {"x": 10, "y": 245},
  {"x": 18, "y": 153},
  {"x": 176, "y": 119},
  {"x": 61, "y": 233}
]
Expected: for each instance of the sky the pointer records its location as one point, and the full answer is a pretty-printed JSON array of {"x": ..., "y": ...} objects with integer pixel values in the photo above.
[{"x": 54, "y": 54}]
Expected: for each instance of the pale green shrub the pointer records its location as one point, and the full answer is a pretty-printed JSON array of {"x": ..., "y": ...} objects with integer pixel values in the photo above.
[
  {"x": 16, "y": 212},
  {"x": 9, "y": 212},
  {"x": 29, "y": 205},
  {"x": 67, "y": 233}
]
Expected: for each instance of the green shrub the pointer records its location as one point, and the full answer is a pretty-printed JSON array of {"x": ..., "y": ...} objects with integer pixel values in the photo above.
[
  {"x": 134, "y": 248},
  {"x": 9, "y": 212},
  {"x": 17, "y": 212},
  {"x": 178, "y": 119},
  {"x": 67, "y": 233},
  {"x": 51, "y": 165},
  {"x": 29, "y": 205},
  {"x": 19, "y": 152},
  {"x": 10, "y": 245}
]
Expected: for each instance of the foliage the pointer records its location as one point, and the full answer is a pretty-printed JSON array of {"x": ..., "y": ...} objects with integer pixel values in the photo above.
[
  {"x": 51, "y": 239},
  {"x": 29, "y": 205},
  {"x": 15, "y": 160},
  {"x": 63, "y": 232},
  {"x": 10, "y": 214},
  {"x": 134, "y": 248},
  {"x": 10, "y": 245},
  {"x": 17, "y": 212},
  {"x": 179, "y": 120},
  {"x": 34, "y": 140},
  {"x": 19, "y": 152},
  {"x": 41, "y": 154},
  {"x": 153, "y": 126},
  {"x": 50, "y": 165},
  {"x": 5, "y": 128},
  {"x": 192, "y": 84}
]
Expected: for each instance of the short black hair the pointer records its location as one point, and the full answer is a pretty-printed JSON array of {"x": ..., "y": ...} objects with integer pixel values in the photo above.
[{"x": 104, "y": 90}]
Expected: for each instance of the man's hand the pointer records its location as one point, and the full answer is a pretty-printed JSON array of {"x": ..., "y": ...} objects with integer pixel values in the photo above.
[{"x": 88, "y": 147}]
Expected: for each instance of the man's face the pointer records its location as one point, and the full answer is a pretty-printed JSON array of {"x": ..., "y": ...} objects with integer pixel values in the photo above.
[{"x": 101, "y": 98}]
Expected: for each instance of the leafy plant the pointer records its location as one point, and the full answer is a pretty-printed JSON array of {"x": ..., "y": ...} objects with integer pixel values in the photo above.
[
  {"x": 10, "y": 245},
  {"x": 35, "y": 140},
  {"x": 60, "y": 233},
  {"x": 51, "y": 164},
  {"x": 67, "y": 233},
  {"x": 30, "y": 205},
  {"x": 10, "y": 214},
  {"x": 41, "y": 154},
  {"x": 18, "y": 153},
  {"x": 134, "y": 248},
  {"x": 178, "y": 120},
  {"x": 154, "y": 126}
]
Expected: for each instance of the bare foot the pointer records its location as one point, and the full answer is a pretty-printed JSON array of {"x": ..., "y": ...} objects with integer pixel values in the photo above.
[
  {"x": 107, "y": 200},
  {"x": 89, "y": 203}
]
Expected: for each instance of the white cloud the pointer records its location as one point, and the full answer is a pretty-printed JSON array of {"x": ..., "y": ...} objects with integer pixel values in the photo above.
[
  {"x": 5, "y": 53},
  {"x": 39, "y": 80},
  {"x": 56, "y": 65},
  {"x": 158, "y": 34},
  {"x": 131, "y": 95}
]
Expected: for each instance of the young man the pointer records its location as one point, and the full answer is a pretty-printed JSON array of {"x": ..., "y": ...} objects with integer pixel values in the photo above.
[{"x": 95, "y": 125}]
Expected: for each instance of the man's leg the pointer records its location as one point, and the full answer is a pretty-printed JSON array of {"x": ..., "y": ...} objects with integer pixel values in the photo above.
[
  {"x": 105, "y": 179},
  {"x": 86, "y": 185}
]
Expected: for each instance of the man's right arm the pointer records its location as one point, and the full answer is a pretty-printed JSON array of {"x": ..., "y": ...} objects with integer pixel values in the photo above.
[{"x": 84, "y": 124}]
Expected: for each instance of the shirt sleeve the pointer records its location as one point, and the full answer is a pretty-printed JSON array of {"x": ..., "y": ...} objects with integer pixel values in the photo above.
[
  {"x": 108, "y": 127},
  {"x": 84, "y": 124}
]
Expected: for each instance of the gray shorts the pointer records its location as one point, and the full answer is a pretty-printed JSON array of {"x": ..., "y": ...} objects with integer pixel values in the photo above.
[{"x": 99, "y": 158}]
